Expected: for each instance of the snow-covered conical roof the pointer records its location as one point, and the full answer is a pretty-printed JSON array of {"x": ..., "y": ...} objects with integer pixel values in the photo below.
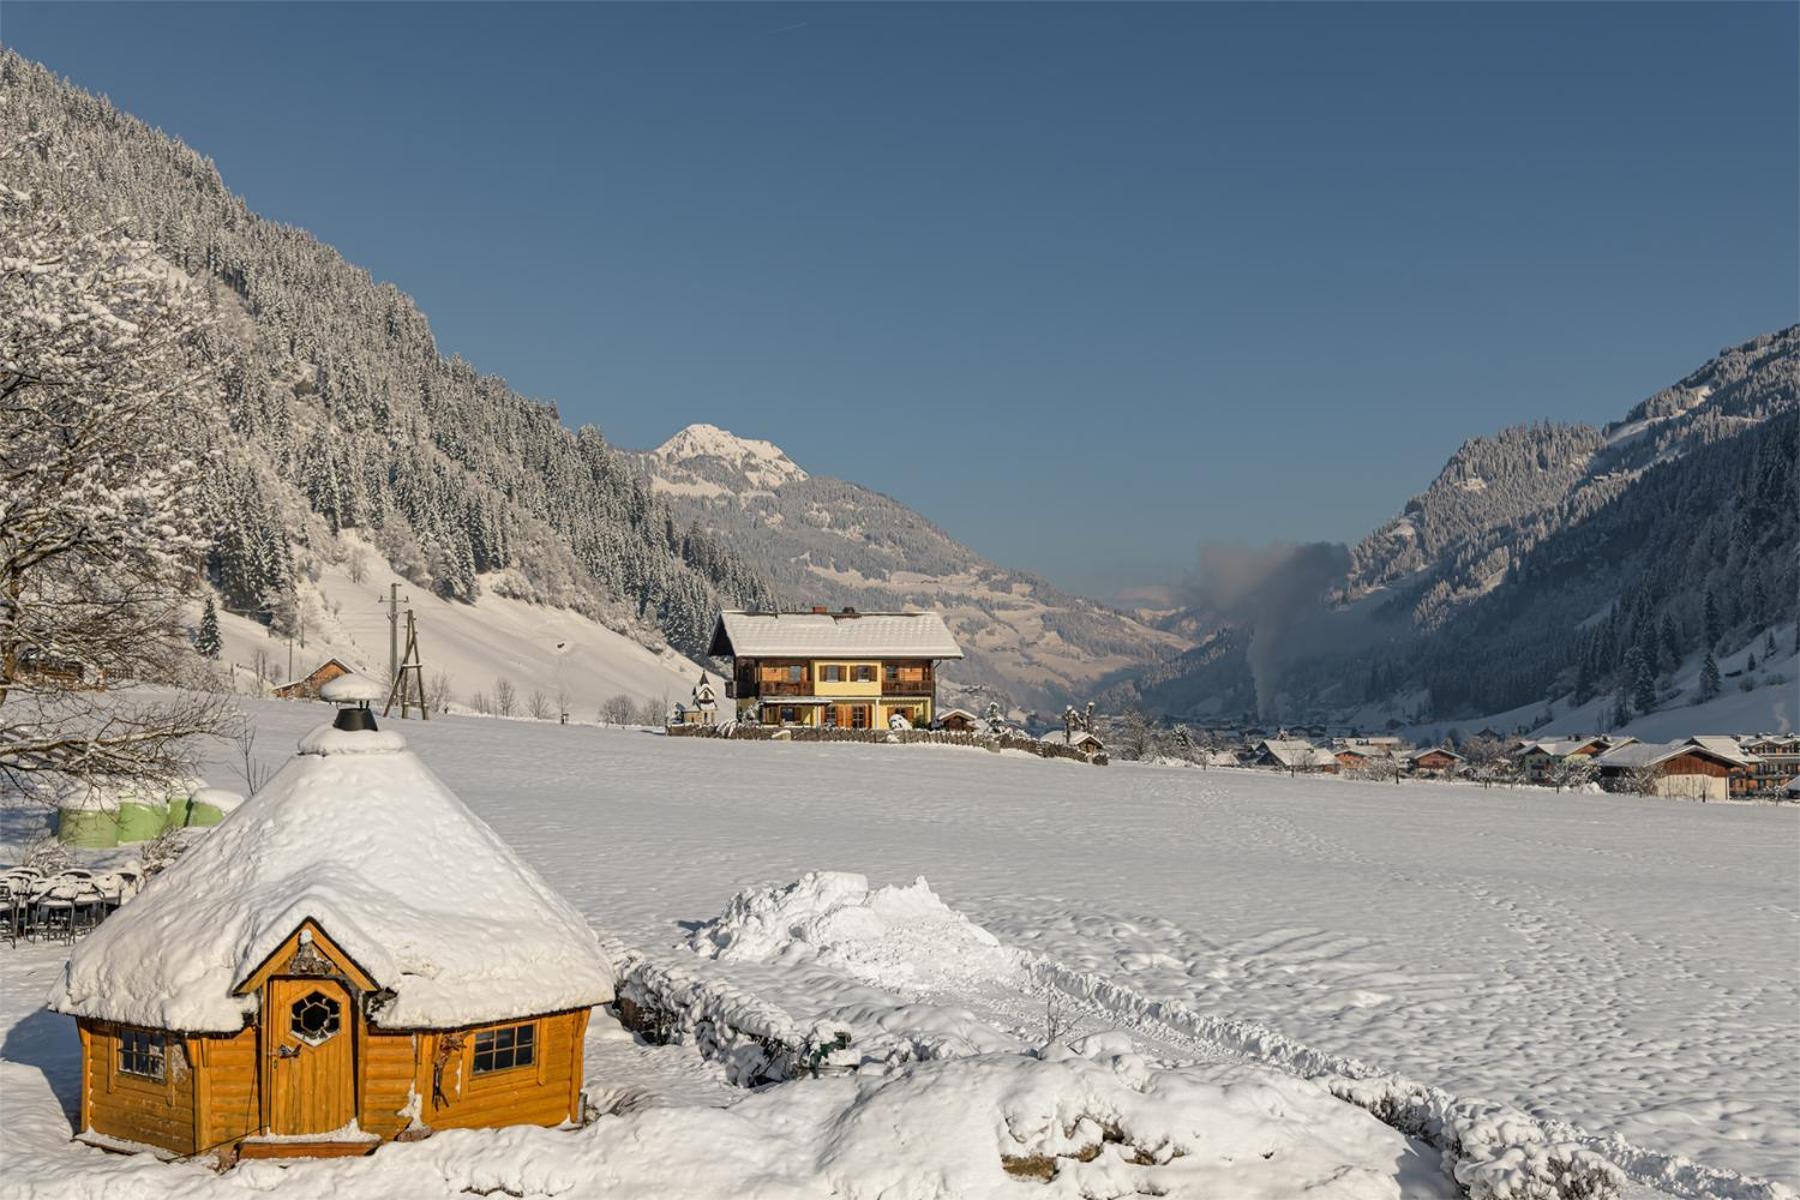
[{"x": 358, "y": 835}]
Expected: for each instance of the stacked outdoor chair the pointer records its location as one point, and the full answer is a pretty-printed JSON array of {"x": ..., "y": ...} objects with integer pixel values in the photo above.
[{"x": 65, "y": 906}]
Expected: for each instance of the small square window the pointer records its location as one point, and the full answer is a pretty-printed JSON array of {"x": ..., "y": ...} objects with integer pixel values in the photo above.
[
  {"x": 794, "y": 674},
  {"x": 865, "y": 673},
  {"x": 141, "y": 1053},
  {"x": 504, "y": 1049}
]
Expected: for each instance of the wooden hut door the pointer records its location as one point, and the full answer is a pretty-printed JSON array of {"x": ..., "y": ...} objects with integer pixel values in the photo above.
[{"x": 312, "y": 1064}]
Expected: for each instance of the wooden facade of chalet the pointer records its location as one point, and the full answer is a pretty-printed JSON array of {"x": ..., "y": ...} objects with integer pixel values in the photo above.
[
  {"x": 1775, "y": 759},
  {"x": 307, "y": 688},
  {"x": 310, "y": 1064},
  {"x": 1435, "y": 761},
  {"x": 847, "y": 670}
]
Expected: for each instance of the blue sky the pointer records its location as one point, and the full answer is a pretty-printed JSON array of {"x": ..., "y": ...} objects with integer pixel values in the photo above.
[{"x": 1087, "y": 284}]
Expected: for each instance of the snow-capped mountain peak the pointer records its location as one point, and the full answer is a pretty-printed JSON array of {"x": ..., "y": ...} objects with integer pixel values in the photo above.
[{"x": 763, "y": 464}]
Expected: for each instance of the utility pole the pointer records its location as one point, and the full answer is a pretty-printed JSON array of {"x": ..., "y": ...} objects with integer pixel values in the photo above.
[
  {"x": 409, "y": 677},
  {"x": 394, "y": 632}
]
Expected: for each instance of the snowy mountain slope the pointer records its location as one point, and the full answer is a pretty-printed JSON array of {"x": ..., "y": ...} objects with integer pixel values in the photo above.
[
  {"x": 1501, "y": 495},
  {"x": 1545, "y": 561},
  {"x": 336, "y": 409},
  {"x": 828, "y": 541},
  {"x": 1760, "y": 699},
  {"x": 536, "y": 647}
]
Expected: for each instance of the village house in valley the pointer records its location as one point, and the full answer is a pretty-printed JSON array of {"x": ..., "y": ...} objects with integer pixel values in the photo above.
[
  {"x": 1540, "y": 759},
  {"x": 1689, "y": 769},
  {"x": 316, "y": 977},
  {"x": 845, "y": 669},
  {"x": 307, "y": 687}
]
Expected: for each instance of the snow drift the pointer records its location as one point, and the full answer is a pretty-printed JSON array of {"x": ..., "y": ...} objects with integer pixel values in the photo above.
[{"x": 903, "y": 938}]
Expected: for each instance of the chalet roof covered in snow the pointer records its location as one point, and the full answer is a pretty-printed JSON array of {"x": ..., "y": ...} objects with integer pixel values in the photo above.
[
  {"x": 1289, "y": 752},
  {"x": 358, "y": 835},
  {"x": 1724, "y": 747},
  {"x": 1649, "y": 754},
  {"x": 847, "y": 634},
  {"x": 1563, "y": 747}
]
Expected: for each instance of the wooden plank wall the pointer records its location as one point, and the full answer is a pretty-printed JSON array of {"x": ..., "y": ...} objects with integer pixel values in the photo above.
[
  {"x": 545, "y": 1093},
  {"x": 148, "y": 1111}
]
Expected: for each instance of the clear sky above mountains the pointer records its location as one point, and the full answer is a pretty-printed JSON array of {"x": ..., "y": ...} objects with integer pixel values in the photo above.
[{"x": 1088, "y": 284}]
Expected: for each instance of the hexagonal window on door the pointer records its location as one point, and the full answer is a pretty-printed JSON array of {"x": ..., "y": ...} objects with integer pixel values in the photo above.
[{"x": 315, "y": 1017}]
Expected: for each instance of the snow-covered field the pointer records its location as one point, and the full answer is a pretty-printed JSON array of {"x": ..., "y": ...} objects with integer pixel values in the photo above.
[{"x": 1625, "y": 965}]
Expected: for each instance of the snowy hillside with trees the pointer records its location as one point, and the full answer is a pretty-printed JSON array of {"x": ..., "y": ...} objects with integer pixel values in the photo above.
[
  {"x": 499, "y": 654},
  {"x": 1544, "y": 562},
  {"x": 331, "y": 407}
]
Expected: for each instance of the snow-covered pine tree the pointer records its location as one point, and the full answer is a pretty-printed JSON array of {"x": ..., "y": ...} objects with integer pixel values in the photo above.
[
  {"x": 1643, "y": 680},
  {"x": 1710, "y": 681},
  {"x": 206, "y": 638}
]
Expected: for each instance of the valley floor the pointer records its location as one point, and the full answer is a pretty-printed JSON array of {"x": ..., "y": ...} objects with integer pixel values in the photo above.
[{"x": 1622, "y": 964}]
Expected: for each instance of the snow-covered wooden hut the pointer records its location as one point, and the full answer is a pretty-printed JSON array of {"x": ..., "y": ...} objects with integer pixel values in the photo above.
[
  {"x": 307, "y": 688},
  {"x": 350, "y": 956}
]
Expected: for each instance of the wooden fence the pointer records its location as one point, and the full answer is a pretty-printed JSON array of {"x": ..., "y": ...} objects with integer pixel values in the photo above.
[{"x": 1009, "y": 740}]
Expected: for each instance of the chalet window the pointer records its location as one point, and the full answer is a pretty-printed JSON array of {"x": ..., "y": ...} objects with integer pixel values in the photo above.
[
  {"x": 794, "y": 674},
  {"x": 831, "y": 674},
  {"x": 790, "y": 715},
  {"x": 859, "y": 716},
  {"x": 504, "y": 1049},
  {"x": 893, "y": 673},
  {"x": 141, "y": 1053},
  {"x": 865, "y": 673}
]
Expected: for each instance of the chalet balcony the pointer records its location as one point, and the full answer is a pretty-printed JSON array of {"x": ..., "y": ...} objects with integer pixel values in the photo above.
[{"x": 781, "y": 687}]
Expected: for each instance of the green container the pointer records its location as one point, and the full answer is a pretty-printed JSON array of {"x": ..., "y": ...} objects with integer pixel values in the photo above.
[
  {"x": 212, "y": 805},
  {"x": 142, "y": 819},
  {"x": 88, "y": 828}
]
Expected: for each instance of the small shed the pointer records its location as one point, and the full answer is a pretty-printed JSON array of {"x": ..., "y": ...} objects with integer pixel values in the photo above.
[
  {"x": 308, "y": 687},
  {"x": 351, "y": 957},
  {"x": 1082, "y": 739},
  {"x": 958, "y": 720}
]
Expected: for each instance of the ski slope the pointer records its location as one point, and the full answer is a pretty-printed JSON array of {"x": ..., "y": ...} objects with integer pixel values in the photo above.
[
  {"x": 534, "y": 646},
  {"x": 1625, "y": 965}
]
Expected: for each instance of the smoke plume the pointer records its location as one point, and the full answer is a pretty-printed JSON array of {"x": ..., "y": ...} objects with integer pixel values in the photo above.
[{"x": 1274, "y": 591}]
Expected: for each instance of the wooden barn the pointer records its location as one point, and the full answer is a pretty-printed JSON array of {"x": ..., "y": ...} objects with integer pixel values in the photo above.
[
  {"x": 350, "y": 957},
  {"x": 1678, "y": 769},
  {"x": 308, "y": 687}
]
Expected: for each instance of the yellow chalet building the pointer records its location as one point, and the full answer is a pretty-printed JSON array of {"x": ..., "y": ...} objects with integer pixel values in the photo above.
[{"x": 850, "y": 669}]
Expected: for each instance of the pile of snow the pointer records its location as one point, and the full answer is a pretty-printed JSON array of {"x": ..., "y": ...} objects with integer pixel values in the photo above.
[
  {"x": 357, "y": 835},
  {"x": 1088, "y": 1123},
  {"x": 903, "y": 938}
]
